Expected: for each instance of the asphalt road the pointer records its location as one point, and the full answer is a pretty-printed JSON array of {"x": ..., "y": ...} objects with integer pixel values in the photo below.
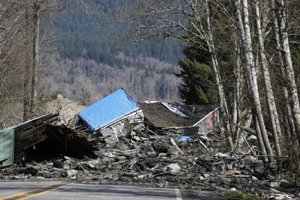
[{"x": 63, "y": 190}]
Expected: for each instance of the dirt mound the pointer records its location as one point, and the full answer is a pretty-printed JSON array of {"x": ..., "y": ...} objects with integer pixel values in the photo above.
[{"x": 66, "y": 108}]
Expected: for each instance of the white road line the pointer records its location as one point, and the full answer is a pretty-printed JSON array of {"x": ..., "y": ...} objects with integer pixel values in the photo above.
[{"x": 178, "y": 194}]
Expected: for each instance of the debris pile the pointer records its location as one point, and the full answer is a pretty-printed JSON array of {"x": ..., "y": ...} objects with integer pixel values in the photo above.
[
  {"x": 66, "y": 109},
  {"x": 138, "y": 149},
  {"x": 146, "y": 159}
]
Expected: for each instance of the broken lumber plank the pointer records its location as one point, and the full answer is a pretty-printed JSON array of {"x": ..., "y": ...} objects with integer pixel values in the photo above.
[
  {"x": 34, "y": 122},
  {"x": 176, "y": 146},
  {"x": 200, "y": 141}
]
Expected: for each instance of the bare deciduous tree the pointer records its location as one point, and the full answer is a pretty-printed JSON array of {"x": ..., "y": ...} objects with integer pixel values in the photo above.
[
  {"x": 287, "y": 61},
  {"x": 273, "y": 113},
  {"x": 11, "y": 15},
  {"x": 187, "y": 20},
  {"x": 27, "y": 94}
]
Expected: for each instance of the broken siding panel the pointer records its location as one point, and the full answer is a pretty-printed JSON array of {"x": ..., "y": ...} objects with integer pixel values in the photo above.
[
  {"x": 209, "y": 122},
  {"x": 122, "y": 127},
  {"x": 7, "y": 146}
]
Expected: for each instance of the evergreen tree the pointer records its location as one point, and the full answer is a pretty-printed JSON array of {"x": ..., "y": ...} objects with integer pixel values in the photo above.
[{"x": 197, "y": 77}]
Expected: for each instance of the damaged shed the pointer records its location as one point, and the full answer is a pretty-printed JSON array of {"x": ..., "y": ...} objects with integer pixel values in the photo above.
[
  {"x": 14, "y": 140},
  {"x": 111, "y": 114},
  {"x": 38, "y": 136}
]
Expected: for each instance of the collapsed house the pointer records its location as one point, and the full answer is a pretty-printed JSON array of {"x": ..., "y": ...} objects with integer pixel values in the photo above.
[
  {"x": 112, "y": 116},
  {"x": 14, "y": 140},
  {"x": 181, "y": 118},
  {"x": 38, "y": 136},
  {"x": 117, "y": 114}
]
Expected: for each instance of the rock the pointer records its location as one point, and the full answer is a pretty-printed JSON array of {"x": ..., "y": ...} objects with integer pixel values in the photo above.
[
  {"x": 69, "y": 173},
  {"x": 226, "y": 181},
  {"x": 58, "y": 164},
  {"x": 255, "y": 191},
  {"x": 284, "y": 183},
  {"x": 137, "y": 138},
  {"x": 142, "y": 176},
  {"x": 259, "y": 169},
  {"x": 139, "y": 127},
  {"x": 274, "y": 184},
  {"x": 110, "y": 136},
  {"x": 251, "y": 158},
  {"x": 173, "y": 168},
  {"x": 183, "y": 144},
  {"x": 206, "y": 176},
  {"x": 122, "y": 146},
  {"x": 68, "y": 164},
  {"x": 47, "y": 175},
  {"x": 64, "y": 164},
  {"x": 221, "y": 155}
]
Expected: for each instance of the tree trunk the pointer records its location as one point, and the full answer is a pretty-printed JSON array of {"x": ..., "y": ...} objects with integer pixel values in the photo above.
[
  {"x": 26, "y": 105},
  {"x": 251, "y": 77},
  {"x": 222, "y": 97},
  {"x": 260, "y": 139},
  {"x": 289, "y": 70},
  {"x": 36, "y": 22},
  {"x": 250, "y": 68},
  {"x": 236, "y": 119},
  {"x": 267, "y": 81},
  {"x": 237, "y": 88},
  {"x": 288, "y": 116}
]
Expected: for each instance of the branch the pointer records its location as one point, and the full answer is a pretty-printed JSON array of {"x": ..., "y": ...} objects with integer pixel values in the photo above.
[{"x": 246, "y": 129}]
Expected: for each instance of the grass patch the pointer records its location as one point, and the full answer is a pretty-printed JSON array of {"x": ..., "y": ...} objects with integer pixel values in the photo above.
[{"x": 241, "y": 195}]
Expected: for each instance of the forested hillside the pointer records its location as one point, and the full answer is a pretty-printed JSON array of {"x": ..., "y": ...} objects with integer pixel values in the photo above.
[
  {"x": 89, "y": 51},
  {"x": 87, "y": 81}
]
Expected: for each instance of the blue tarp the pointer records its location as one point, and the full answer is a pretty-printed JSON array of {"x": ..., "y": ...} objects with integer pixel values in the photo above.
[
  {"x": 109, "y": 109},
  {"x": 185, "y": 138}
]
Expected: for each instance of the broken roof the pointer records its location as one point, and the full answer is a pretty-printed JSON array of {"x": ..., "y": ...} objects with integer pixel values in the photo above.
[
  {"x": 109, "y": 109},
  {"x": 160, "y": 116}
]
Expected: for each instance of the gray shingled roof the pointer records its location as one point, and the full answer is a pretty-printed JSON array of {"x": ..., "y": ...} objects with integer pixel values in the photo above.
[{"x": 160, "y": 116}]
